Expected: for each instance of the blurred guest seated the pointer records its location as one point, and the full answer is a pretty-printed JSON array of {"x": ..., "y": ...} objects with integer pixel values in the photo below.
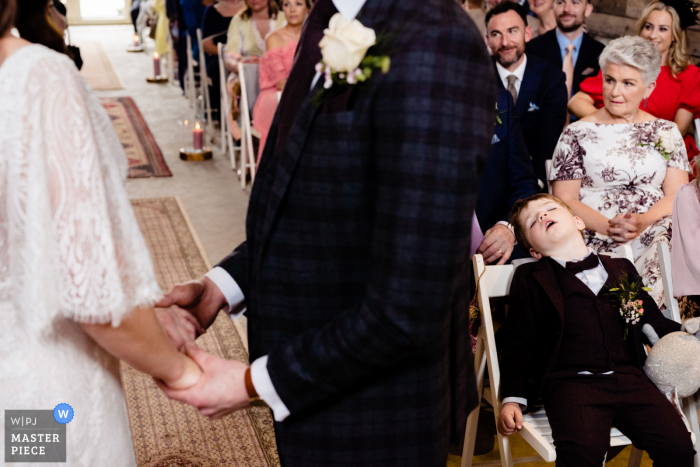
[
  {"x": 475, "y": 9},
  {"x": 246, "y": 43},
  {"x": 685, "y": 251},
  {"x": 193, "y": 13},
  {"x": 508, "y": 178},
  {"x": 538, "y": 88},
  {"x": 677, "y": 94},
  {"x": 544, "y": 11},
  {"x": 217, "y": 18},
  {"x": 275, "y": 65},
  {"x": 619, "y": 168},
  {"x": 568, "y": 46}
]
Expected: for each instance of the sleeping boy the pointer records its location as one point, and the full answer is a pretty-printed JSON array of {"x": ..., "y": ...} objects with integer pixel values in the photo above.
[{"x": 565, "y": 342}]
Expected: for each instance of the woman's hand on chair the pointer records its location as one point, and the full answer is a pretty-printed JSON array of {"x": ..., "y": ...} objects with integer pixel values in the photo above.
[{"x": 510, "y": 420}]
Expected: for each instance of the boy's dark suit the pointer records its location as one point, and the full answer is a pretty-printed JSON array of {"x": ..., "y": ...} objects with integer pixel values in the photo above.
[
  {"x": 546, "y": 47},
  {"x": 541, "y": 109},
  {"x": 557, "y": 328}
]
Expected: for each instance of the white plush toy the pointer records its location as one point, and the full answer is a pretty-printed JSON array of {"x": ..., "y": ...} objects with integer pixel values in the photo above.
[{"x": 673, "y": 364}]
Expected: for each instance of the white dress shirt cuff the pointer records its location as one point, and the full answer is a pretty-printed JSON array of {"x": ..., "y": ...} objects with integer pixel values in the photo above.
[
  {"x": 518, "y": 400},
  {"x": 265, "y": 389},
  {"x": 230, "y": 289}
]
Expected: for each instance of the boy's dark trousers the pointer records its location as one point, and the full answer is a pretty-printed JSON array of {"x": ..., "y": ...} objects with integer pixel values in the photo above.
[{"x": 583, "y": 408}]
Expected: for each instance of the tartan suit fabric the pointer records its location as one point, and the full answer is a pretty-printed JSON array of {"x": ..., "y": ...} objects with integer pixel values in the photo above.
[{"x": 355, "y": 269}]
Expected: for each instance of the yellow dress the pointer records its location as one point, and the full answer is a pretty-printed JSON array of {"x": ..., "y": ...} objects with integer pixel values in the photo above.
[
  {"x": 161, "y": 28},
  {"x": 244, "y": 38}
]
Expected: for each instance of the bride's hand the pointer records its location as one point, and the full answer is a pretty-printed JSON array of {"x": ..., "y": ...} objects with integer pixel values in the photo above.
[
  {"x": 179, "y": 325},
  {"x": 191, "y": 374}
]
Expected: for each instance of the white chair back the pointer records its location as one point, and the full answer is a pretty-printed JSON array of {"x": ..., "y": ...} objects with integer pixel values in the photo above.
[
  {"x": 190, "y": 84},
  {"x": 205, "y": 82},
  {"x": 225, "y": 106},
  {"x": 548, "y": 169},
  {"x": 250, "y": 89},
  {"x": 696, "y": 126}
]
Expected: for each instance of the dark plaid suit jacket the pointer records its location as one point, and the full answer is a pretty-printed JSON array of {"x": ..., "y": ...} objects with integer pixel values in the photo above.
[{"x": 356, "y": 259}]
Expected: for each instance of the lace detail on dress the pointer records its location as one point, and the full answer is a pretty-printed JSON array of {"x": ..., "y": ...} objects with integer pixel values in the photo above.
[{"x": 69, "y": 241}]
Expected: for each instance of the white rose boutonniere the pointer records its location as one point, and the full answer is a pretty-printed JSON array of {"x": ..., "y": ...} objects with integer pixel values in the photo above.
[
  {"x": 345, "y": 43},
  {"x": 344, "y": 51},
  {"x": 665, "y": 144}
]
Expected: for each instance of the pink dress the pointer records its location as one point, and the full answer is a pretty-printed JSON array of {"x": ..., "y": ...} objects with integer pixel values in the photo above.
[{"x": 275, "y": 65}]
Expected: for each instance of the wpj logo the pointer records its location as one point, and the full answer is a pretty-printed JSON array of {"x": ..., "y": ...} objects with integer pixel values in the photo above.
[{"x": 37, "y": 435}]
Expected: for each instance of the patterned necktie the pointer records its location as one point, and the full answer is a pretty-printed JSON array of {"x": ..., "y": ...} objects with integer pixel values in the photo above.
[
  {"x": 568, "y": 67},
  {"x": 590, "y": 262},
  {"x": 511, "y": 87}
]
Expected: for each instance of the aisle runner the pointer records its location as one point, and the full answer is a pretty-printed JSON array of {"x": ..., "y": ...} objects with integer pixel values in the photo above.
[
  {"x": 171, "y": 434},
  {"x": 97, "y": 68},
  {"x": 145, "y": 158}
]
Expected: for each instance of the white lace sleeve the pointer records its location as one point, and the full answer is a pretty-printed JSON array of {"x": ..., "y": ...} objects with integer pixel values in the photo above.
[{"x": 82, "y": 248}]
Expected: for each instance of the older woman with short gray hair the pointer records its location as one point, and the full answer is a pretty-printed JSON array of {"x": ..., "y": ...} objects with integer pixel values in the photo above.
[{"x": 619, "y": 168}]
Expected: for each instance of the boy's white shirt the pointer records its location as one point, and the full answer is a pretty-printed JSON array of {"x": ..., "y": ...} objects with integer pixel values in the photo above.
[{"x": 594, "y": 279}]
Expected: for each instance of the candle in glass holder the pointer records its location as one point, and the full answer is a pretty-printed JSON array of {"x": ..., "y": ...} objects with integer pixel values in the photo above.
[
  {"x": 136, "y": 40},
  {"x": 197, "y": 136},
  {"x": 156, "y": 64}
]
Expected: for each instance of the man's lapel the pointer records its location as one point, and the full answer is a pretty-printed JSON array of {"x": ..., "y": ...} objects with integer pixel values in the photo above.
[
  {"x": 553, "y": 48},
  {"x": 582, "y": 60},
  {"x": 528, "y": 89},
  {"x": 545, "y": 276}
]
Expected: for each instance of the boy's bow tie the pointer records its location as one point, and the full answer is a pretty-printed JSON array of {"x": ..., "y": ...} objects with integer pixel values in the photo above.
[{"x": 590, "y": 262}]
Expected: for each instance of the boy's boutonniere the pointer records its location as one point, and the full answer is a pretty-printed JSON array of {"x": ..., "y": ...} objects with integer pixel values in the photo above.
[
  {"x": 344, "y": 50},
  {"x": 666, "y": 144},
  {"x": 625, "y": 295}
]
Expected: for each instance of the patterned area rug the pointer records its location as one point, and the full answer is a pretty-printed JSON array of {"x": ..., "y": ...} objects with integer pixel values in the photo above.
[
  {"x": 97, "y": 69},
  {"x": 145, "y": 157},
  {"x": 171, "y": 434}
]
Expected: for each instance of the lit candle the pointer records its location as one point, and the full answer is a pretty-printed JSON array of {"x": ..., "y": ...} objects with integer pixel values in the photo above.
[
  {"x": 136, "y": 40},
  {"x": 198, "y": 136},
  {"x": 156, "y": 64}
]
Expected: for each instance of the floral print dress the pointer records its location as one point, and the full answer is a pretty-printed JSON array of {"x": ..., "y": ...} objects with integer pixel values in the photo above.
[{"x": 620, "y": 172}]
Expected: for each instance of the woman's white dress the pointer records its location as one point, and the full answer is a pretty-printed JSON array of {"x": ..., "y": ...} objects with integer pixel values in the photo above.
[
  {"x": 70, "y": 251},
  {"x": 620, "y": 172}
]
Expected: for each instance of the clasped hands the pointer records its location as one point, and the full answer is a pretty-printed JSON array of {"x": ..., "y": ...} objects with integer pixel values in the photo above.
[
  {"x": 185, "y": 313},
  {"x": 626, "y": 227}
]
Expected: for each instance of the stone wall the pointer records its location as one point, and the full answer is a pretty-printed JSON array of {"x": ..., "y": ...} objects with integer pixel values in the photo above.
[{"x": 615, "y": 18}]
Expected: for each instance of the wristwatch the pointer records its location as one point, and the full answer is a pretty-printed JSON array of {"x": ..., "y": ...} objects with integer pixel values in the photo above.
[{"x": 252, "y": 393}]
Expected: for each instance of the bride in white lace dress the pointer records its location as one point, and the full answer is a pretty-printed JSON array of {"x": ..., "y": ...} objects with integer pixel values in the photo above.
[{"x": 74, "y": 268}]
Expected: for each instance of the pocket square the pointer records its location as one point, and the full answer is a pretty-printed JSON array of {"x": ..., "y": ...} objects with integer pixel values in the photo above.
[
  {"x": 495, "y": 139},
  {"x": 587, "y": 71},
  {"x": 533, "y": 107}
]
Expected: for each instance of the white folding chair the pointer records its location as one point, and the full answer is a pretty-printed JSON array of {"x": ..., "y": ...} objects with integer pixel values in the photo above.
[
  {"x": 250, "y": 89},
  {"x": 171, "y": 59},
  {"x": 205, "y": 82},
  {"x": 225, "y": 106},
  {"x": 190, "y": 83},
  {"x": 696, "y": 125},
  {"x": 690, "y": 404},
  {"x": 548, "y": 170},
  {"x": 495, "y": 282}
]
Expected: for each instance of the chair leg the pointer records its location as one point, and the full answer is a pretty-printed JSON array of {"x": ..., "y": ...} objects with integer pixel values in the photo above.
[
  {"x": 242, "y": 157},
  {"x": 635, "y": 457},
  {"x": 691, "y": 413},
  {"x": 473, "y": 419},
  {"x": 504, "y": 448}
]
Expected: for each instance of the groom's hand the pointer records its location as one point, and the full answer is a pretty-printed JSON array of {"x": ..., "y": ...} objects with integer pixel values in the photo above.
[
  {"x": 202, "y": 298},
  {"x": 179, "y": 325},
  {"x": 219, "y": 391}
]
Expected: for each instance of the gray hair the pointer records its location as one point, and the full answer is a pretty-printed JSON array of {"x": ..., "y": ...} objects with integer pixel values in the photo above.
[{"x": 633, "y": 51}]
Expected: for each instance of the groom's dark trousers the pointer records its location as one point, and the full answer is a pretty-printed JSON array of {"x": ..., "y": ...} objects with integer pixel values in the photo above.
[{"x": 355, "y": 266}]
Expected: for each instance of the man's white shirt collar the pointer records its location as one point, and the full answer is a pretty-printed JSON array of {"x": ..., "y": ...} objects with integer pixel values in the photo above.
[
  {"x": 349, "y": 8},
  {"x": 519, "y": 72}
]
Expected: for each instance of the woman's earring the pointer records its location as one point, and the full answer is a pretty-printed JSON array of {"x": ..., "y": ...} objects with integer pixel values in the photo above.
[{"x": 645, "y": 102}]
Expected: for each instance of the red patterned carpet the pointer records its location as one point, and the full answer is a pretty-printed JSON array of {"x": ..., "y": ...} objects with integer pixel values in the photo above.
[{"x": 145, "y": 157}]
